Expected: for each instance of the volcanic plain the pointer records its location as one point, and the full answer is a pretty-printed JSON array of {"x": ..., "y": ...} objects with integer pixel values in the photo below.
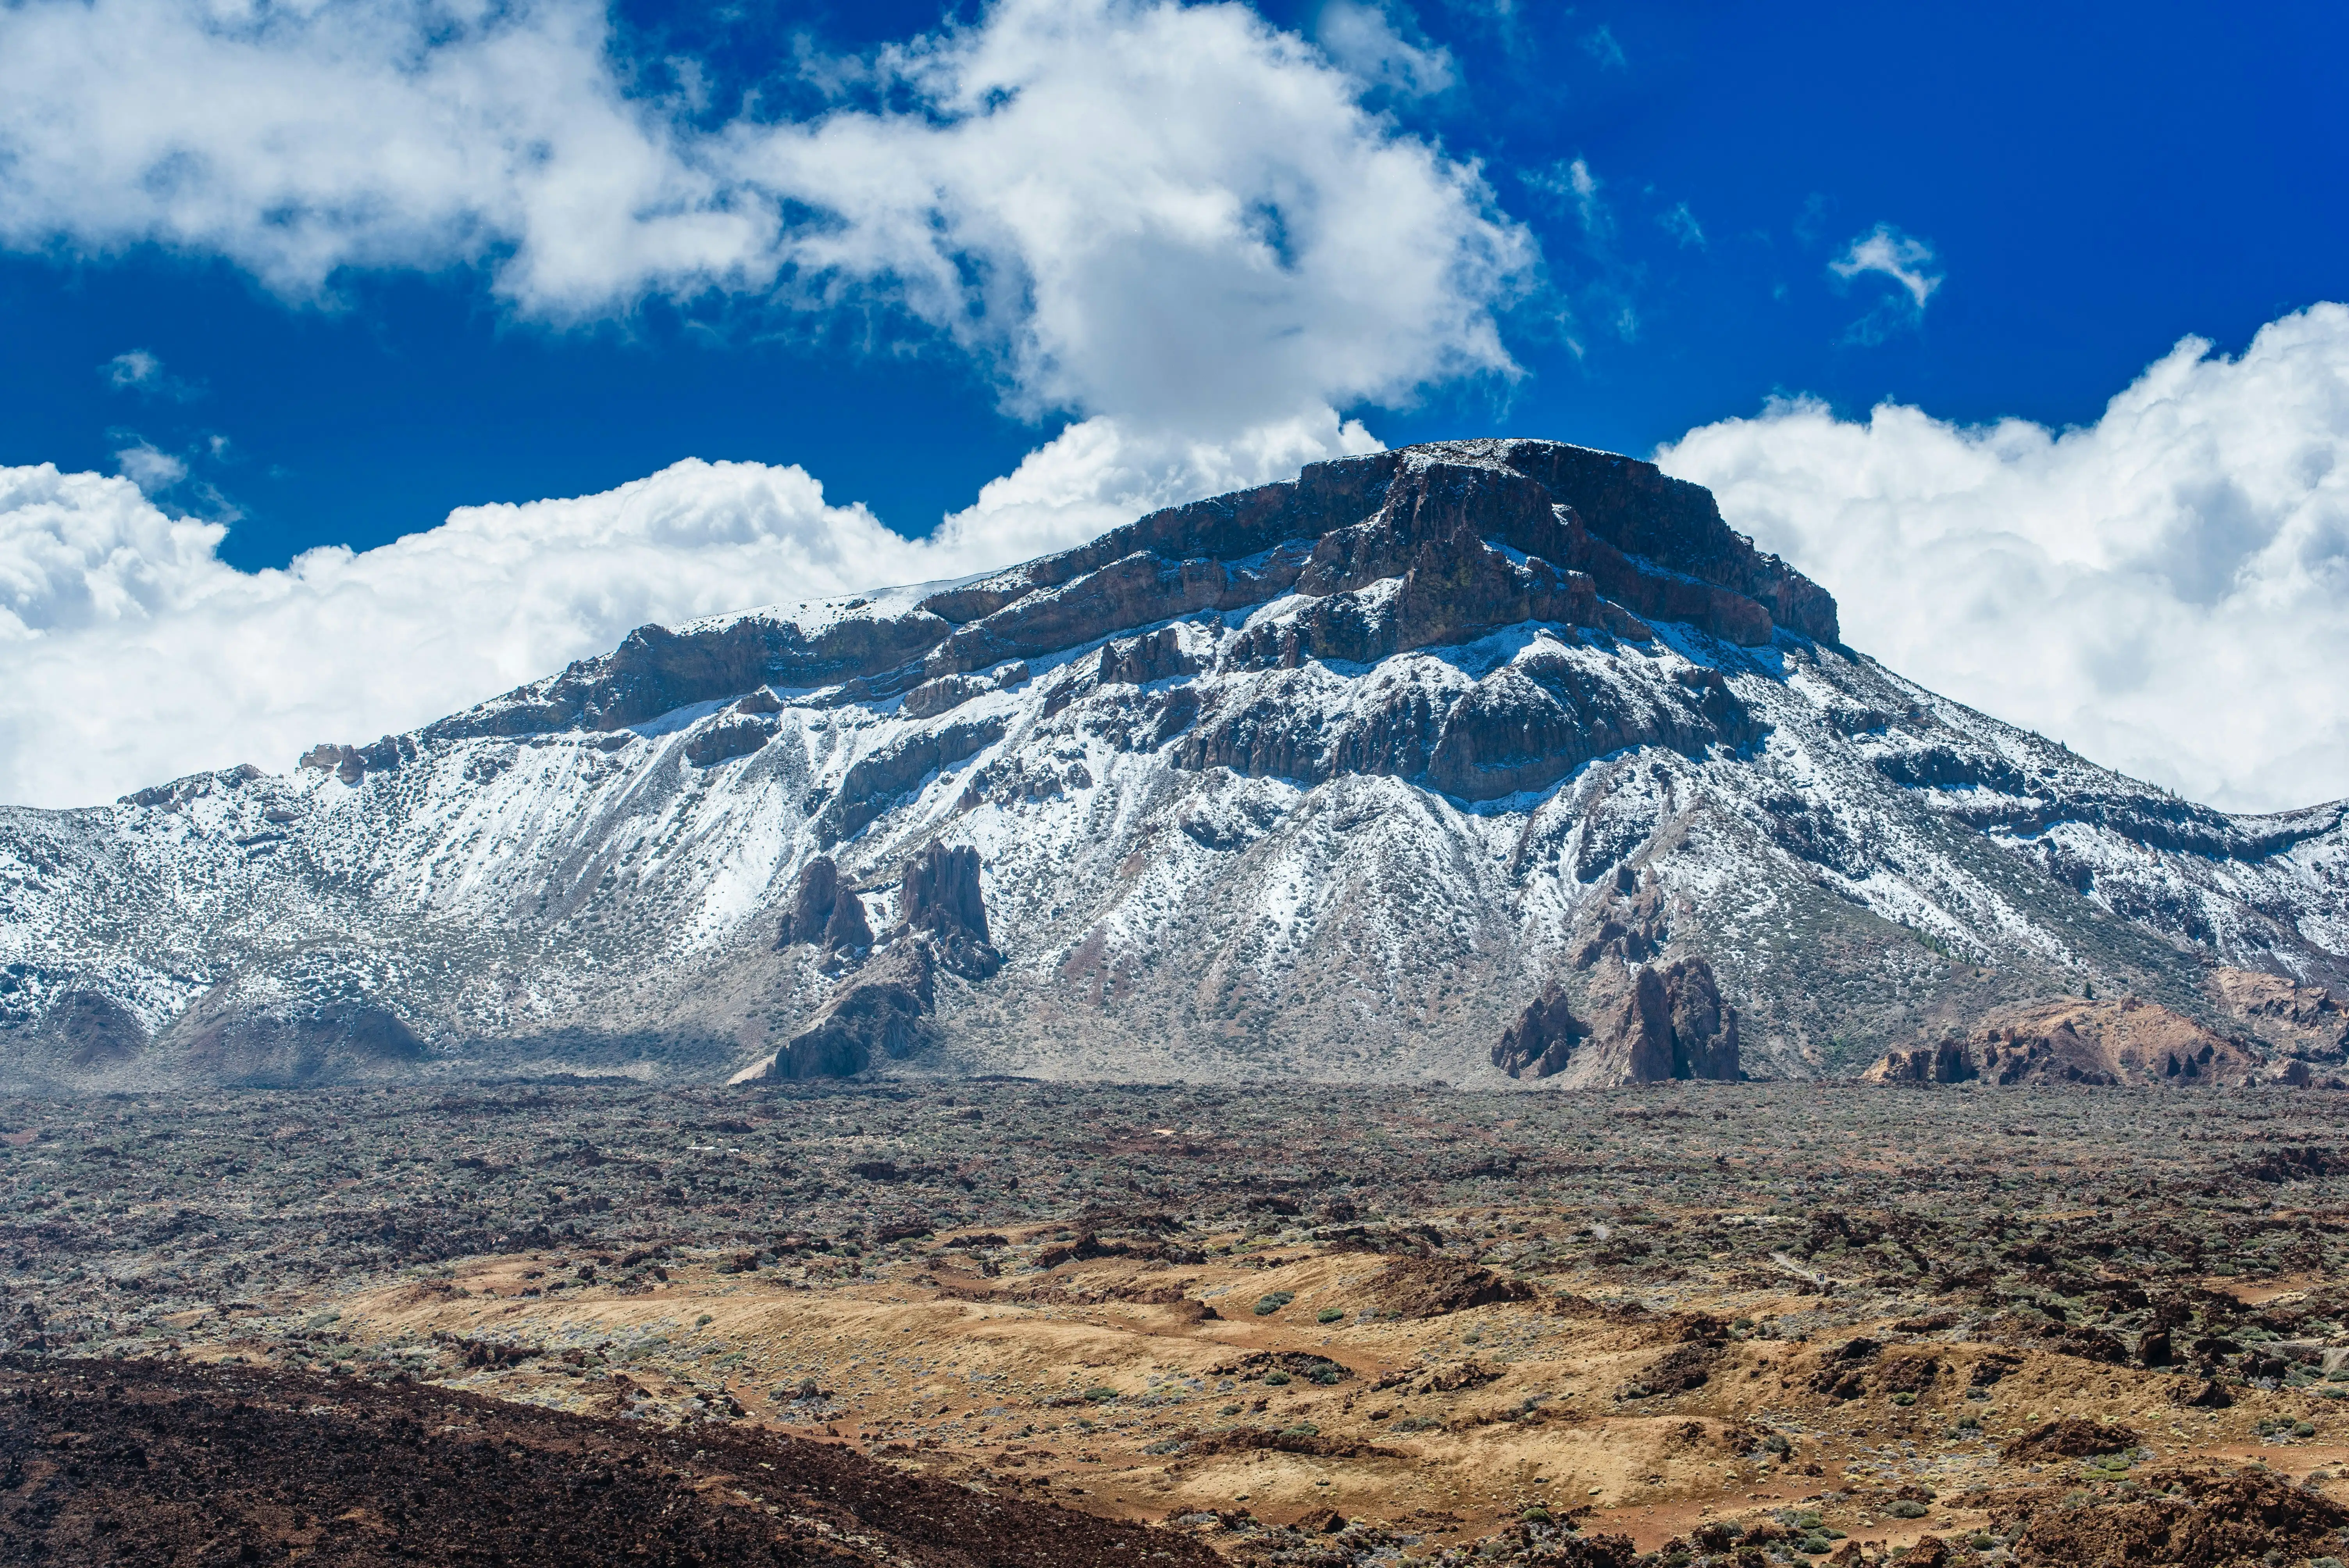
[{"x": 989, "y": 1322}]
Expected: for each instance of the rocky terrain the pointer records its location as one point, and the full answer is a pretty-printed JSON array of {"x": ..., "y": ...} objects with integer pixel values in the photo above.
[
  {"x": 1335, "y": 1327},
  {"x": 1481, "y": 763}
]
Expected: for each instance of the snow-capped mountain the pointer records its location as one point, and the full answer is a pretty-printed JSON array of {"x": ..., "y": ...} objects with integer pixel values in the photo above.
[{"x": 1477, "y": 762}]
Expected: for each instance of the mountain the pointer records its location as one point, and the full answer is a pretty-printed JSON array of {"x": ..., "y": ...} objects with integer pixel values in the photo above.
[{"x": 1479, "y": 762}]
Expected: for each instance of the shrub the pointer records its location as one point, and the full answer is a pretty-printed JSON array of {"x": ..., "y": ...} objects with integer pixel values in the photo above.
[
  {"x": 1100, "y": 1393},
  {"x": 1906, "y": 1507},
  {"x": 1276, "y": 1378},
  {"x": 1536, "y": 1514},
  {"x": 1327, "y": 1315},
  {"x": 1302, "y": 1429},
  {"x": 1273, "y": 1300},
  {"x": 1229, "y": 1410},
  {"x": 1904, "y": 1398}
]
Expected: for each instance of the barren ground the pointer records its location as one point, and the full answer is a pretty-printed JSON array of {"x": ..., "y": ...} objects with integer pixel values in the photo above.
[{"x": 1737, "y": 1322}]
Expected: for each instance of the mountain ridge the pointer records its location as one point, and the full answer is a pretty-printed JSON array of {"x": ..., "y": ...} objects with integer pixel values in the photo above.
[{"x": 1338, "y": 777}]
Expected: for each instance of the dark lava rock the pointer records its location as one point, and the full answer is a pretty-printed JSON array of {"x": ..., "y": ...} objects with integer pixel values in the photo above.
[
  {"x": 1430, "y": 1287},
  {"x": 170, "y": 1462},
  {"x": 2071, "y": 1439},
  {"x": 2196, "y": 1521}
]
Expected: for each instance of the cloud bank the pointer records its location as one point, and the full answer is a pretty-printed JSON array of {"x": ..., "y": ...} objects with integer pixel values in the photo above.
[
  {"x": 130, "y": 652},
  {"x": 2166, "y": 590}
]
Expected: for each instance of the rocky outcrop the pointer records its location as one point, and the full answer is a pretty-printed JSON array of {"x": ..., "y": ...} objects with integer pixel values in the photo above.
[
  {"x": 874, "y": 782},
  {"x": 2307, "y": 1021},
  {"x": 1138, "y": 661},
  {"x": 1522, "y": 727},
  {"x": 656, "y": 671},
  {"x": 1641, "y": 1021},
  {"x": 92, "y": 1030},
  {"x": 1542, "y": 1040},
  {"x": 940, "y": 896},
  {"x": 826, "y": 912},
  {"x": 1651, "y": 1024},
  {"x": 811, "y": 903},
  {"x": 883, "y": 1010},
  {"x": 733, "y": 737},
  {"x": 2096, "y": 1043}
]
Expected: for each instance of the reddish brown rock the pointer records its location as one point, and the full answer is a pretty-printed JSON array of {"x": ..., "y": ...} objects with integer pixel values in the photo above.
[
  {"x": 2072, "y": 1040},
  {"x": 2309, "y": 1021}
]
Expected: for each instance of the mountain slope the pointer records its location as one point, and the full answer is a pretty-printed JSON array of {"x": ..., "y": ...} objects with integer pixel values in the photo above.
[{"x": 1347, "y": 778}]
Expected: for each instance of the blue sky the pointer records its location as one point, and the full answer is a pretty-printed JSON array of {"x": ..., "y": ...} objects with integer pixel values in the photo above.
[
  {"x": 281, "y": 285},
  {"x": 2093, "y": 182}
]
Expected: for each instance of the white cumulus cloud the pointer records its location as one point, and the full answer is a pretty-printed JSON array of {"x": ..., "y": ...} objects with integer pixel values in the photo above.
[
  {"x": 1177, "y": 216},
  {"x": 130, "y": 653},
  {"x": 2166, "y": 590}
]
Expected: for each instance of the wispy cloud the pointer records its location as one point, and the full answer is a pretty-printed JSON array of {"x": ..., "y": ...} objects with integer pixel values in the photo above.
[
  {"x": 141, "y": 370},
  {"x": 1601, "y": 45},
  {"x": 1573, "y": 182},
  {"x": 1682, "y": 225},
  {"x": 148, "y": 466},
  {"x": 1906, "y": 260}
]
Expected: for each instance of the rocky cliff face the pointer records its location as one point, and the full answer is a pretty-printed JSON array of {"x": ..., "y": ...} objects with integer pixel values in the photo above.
[{"x": 1486, "y": 761}]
